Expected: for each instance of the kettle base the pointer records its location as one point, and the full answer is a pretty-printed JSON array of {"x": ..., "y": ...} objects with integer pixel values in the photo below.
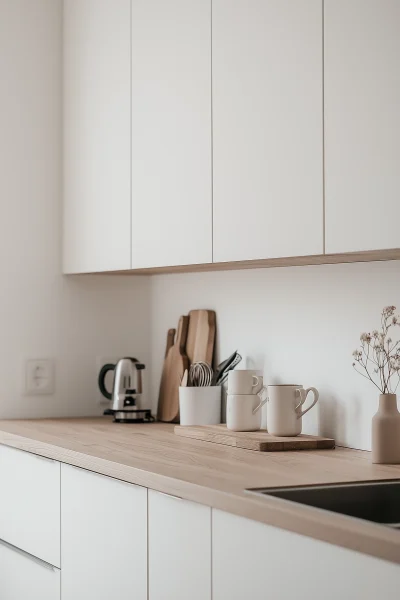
[{"x": 131, "y": 416}]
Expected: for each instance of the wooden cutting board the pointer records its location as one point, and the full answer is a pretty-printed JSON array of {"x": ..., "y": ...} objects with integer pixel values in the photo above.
[
  {"x": 201, "y": 336},
  {"x": 260, "y": 441},
  {"x": 174, "y": 367}
]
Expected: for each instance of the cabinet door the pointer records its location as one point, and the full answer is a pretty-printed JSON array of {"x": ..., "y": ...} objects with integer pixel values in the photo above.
[
  {"x": 252, "y": 560},
  {"x": 97, "y": 135},
  {"x": 267, "y": 128},
  {"x": 362, "y": 124},
  {"x": 22, "y": 576},
  {"x": 179, "y": 549},
  {"x": 171, "y": 132},
  {"x": 30, "y": 503},
  {"x": 103, "y": 537}
]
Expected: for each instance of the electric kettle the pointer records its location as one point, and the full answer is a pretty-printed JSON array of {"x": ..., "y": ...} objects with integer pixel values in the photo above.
[{"x": 127, "y": 390}]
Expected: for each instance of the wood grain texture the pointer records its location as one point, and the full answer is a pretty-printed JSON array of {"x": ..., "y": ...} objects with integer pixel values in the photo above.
[
  {"x": 164, "y": 373},
  {"x": 201, "y": 336},
  {"x": 269, "y": 263},
  {"x": 259, "y": 441},
  {"x": 213, "y": 474},
  {"x": 175, "y": 364}
]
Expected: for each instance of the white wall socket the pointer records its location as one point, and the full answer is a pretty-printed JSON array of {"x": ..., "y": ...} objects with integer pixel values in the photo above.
[{"x": 39, "y": 377}]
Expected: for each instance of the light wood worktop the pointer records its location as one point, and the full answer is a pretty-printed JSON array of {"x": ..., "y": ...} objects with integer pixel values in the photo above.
[{"x": 151, "y": 455}]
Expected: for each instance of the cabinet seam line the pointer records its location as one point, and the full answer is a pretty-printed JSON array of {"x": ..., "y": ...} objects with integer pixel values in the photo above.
[
  {"x": 212, "y": 133},
  {"x": 131, "y": 135},
  {"x": 323, "y": 134}
]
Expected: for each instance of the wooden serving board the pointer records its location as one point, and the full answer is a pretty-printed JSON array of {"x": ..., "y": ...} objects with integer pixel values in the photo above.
[
  {"x": 175, "y": 364},
  {"x": 201, "y": 336},
  {"x": 260, "y": 441}
]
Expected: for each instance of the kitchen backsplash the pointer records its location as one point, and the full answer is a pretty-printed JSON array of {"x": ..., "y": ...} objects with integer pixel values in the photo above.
[{"x": 298, "y": 324}]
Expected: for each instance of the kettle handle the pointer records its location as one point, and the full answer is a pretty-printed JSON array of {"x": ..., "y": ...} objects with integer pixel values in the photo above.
[{"x": 102, "y": 375}]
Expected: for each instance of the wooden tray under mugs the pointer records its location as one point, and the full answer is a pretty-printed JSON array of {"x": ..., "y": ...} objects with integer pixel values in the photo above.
[{"x": 260, "y": 441}]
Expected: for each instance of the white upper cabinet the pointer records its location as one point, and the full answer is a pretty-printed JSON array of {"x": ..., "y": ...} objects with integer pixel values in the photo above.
[
  {"x": 362, "y": 124},
  {"x": 267, "y": 128},
  {"x": 97, "y": 135},
  {"x": 171, "y": 132}
]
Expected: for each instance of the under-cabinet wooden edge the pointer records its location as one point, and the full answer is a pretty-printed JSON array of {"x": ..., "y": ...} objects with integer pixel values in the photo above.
[{"x": 264, "y": 263}]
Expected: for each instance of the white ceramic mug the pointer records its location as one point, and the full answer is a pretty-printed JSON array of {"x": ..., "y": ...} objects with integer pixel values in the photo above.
[
  {"x": 244, "y": 382},
  {"x": 200, "y": 405},
  {"x": 241, "y": 414},
  {"x": 284, "y": 408}
]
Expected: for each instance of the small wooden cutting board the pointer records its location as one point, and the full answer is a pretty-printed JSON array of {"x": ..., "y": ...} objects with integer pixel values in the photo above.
[
  {"x": 201, "y": 336},
  {"x": 260, "y": 441},
  {"x": 175, "y": 364}
]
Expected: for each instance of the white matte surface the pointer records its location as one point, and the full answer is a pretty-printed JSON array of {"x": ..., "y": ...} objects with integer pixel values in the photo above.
[
  {"x": 22, "y": 578},
  {"x": 257, "y": 561}
]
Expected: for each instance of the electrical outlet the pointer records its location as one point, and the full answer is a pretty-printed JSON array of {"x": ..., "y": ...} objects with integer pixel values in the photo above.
[
  {"x": 100, "y": 362},
  {"x": 39, "y": 377}
]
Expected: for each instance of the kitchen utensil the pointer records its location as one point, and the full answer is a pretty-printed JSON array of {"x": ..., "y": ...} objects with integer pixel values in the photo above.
[
  {"x": 175, "y": 365},
  {"x": 223, "y": 367},
  {"x": 260, "y": 441},
  {"x": 200, "y": 374},
  {"x": 185, "y": 378},
  {"x": 241, "y": 414},
  {"x": 284, "y": 414},
  {"x": 170, "y": 343},
  {"x": 127, "y": 391},
  {"x": 224, "y": 373},
  {"x": 245, "y": 381},
  {"x": 201, "y": 336},
  {"x": 200, "y": 405}
]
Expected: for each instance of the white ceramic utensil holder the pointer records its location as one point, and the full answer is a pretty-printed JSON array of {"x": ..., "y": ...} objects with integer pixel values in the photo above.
[{"x": 200, "y": 405}]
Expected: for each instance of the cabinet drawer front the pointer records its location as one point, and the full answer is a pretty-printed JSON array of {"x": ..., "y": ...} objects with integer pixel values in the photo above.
[
  {"x": 23, "y": 577},
  {"x": 30, "y": 503},
  {"x": 179, "y": 549},
  {"x": 104, "y": 537}
]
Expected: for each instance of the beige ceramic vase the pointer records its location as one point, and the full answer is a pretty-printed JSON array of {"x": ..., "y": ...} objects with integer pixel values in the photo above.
[{"x": 386, "y": 431}]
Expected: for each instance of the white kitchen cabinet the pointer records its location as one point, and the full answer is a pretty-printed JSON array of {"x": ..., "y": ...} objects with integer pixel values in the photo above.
[
  {"x": 24, "y": 577},
  {"x": 267, "y": 128},
  {"x": 97, "y": 135},
  {"x": 30, "y": 503},
  {"x": 253, "y": 560},
  {"x": 103, "y": 537},
  {"x": 179, "y": 549},
  {"x": 171, "y": 132},
  {"x": 362, "y": 124}
]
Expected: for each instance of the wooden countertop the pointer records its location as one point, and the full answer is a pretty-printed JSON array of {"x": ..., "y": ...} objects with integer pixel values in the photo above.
[{"x": 151, "y": 455}]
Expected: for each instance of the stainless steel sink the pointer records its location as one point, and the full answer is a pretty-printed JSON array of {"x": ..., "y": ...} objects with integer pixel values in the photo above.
[{"x": 377, "y": 501}]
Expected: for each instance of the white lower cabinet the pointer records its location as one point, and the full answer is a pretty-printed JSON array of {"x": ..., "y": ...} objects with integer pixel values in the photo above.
[
  {"x": 103, "y": 537},
  {"x": 179, "y": 549},
  {"x": 23, "y": 577},
  {"x": 30, "y": 504},
  {"x": 257, "y": 561}
]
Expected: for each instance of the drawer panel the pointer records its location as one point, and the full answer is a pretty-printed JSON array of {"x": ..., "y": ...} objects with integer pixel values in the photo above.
[
  {"x": 23, "y": 576},
  {"x": 30, "y": 503}
]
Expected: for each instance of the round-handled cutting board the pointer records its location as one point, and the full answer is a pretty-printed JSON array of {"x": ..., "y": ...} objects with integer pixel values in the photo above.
[{"x": 175, "y": 364}]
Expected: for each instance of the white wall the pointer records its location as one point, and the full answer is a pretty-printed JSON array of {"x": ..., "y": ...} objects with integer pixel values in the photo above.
[
  {"x": 299, "y": 324},
  {"x": 42, "y": 314}
]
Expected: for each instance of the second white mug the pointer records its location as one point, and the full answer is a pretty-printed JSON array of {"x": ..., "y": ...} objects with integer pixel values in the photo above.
[
  {"x": 241, "y": 414},
  {"x": 244, "y": 381}
]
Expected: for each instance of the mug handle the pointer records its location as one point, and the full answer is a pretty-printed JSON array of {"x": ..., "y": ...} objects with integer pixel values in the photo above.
[
  {"x": 256, "y": 384},
  {"x": 303, "y": 396},
  {"x": 262, "y": 400}
]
